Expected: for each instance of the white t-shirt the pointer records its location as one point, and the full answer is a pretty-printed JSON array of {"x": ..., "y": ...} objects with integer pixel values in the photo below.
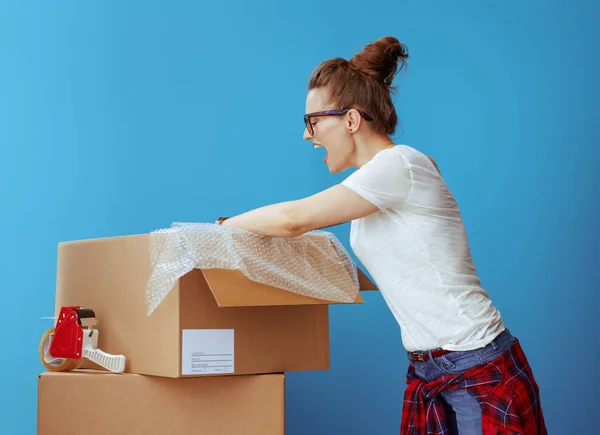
[{"x": 416, "y": 249}]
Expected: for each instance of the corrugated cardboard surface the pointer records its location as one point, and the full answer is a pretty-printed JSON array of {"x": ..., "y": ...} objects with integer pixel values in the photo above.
[
  {"x": 267, "y": 339},
  {"x": 99, "y": 403},
  {"x": 110, "y": 275},
  {"x": 233, "y": 289}
]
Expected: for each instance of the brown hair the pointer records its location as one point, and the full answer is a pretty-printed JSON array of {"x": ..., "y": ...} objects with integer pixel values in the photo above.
[{"x": 365, "y": 81}]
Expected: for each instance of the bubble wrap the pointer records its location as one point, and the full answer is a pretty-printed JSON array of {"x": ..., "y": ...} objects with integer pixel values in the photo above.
[{"x": 314, "y": 264}]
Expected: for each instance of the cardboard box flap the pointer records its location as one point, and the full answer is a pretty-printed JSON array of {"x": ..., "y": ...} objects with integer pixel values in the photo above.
[
  {"x": 231, "y": 288},
  {"x": 365, "y": 283}
]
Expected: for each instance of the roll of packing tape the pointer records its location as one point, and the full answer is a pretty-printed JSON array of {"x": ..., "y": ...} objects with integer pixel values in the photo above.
[{"x": 55, "y": 364}]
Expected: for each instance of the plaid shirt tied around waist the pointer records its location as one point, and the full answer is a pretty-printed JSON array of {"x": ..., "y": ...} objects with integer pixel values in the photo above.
[{"x": 505, "y": 388}]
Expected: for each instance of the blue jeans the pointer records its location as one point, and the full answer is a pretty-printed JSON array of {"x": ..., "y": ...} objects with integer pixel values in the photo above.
[{"x": 462, "y": 409}]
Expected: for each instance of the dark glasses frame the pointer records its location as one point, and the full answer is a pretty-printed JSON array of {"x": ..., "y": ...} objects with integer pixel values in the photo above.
[{"x": 336, "y": 112}]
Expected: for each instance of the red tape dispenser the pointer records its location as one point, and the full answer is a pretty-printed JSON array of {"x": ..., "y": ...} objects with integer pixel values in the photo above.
[{"x": 74, "y": 337}]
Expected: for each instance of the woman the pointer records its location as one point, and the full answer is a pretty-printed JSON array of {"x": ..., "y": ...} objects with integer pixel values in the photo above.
[{"x": 408, "y": 233}]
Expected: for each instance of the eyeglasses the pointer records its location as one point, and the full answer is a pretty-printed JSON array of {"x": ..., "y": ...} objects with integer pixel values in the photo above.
[{"x": 337, "y": 112}]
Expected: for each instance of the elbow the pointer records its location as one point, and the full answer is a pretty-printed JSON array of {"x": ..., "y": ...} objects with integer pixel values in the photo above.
[{"x": 292, "y": 222}]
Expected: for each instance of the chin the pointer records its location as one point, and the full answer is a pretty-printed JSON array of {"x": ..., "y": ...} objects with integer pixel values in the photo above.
[{"x": 335, "y": 170}]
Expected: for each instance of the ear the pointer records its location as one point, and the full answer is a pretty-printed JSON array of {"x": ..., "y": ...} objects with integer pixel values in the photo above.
[{"x": 353, "y": 121}]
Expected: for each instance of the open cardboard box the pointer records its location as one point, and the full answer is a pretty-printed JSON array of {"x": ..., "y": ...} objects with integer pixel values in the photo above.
[{"x": 212, "y": 322}]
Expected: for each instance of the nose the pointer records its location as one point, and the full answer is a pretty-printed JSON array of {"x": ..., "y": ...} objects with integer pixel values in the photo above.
[{"x": 306, "y": 135}]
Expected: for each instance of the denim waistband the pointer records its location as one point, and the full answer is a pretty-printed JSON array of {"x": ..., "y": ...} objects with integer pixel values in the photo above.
[
  {"x": 504, "y": 340},
  {"x": 486, "y": 353}
]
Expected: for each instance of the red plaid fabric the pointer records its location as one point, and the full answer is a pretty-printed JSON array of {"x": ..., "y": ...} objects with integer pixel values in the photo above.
[{"x": 505, "y": 388}]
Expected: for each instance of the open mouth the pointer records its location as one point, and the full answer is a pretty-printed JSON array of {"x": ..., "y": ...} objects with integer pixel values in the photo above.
[{"x": 321, "y": 146}]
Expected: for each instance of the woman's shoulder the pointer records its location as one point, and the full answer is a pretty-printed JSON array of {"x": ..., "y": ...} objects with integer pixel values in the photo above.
[
  {"x": 414, "y": 157},
  {"x": 403, "y": 156},
  {"x": 407, "y": 151}
]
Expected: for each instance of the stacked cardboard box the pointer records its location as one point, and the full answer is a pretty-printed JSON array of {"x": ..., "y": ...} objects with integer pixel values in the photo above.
[{"x": 234, "y": 338}]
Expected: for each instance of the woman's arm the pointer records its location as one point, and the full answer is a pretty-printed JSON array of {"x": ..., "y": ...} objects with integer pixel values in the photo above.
[{"x": 333, "y": 206}]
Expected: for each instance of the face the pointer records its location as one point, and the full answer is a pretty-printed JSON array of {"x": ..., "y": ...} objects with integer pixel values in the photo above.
[{"x": 330, "y": 132}]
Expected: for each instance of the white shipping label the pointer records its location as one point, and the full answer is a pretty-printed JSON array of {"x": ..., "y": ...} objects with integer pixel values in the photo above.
[{"x": 207, "y": 351}]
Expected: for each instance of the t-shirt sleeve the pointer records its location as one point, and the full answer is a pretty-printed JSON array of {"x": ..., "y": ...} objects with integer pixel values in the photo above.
[{"x": 384, "y": 181}]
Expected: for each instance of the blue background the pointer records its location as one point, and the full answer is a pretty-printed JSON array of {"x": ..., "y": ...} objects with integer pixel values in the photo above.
[{"x": 122, "y": 117}]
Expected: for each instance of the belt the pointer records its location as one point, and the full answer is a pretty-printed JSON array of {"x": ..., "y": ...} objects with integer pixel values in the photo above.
[{"x": 424, "y": 356}]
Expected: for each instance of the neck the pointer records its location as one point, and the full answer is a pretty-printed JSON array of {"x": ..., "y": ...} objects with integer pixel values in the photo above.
[{"x": 366, "y": 147}]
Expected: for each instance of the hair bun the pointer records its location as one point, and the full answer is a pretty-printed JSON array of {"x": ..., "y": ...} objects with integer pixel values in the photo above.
[{"x": 380, "y": 59}]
